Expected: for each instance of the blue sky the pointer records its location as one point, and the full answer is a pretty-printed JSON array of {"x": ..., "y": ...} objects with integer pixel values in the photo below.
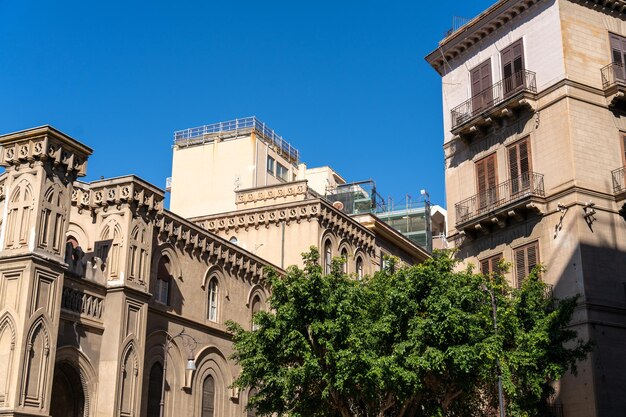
[{"x": 344, "y": 81}]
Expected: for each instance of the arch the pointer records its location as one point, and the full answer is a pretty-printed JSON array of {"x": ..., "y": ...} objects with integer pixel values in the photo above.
[
  {"x": 109, "y": 245},
  {"x": 36, "y": 363},
  {"x": 344, "y": 251},
  {"x": 208, "y": 397},
  {"x": 212, "y": 362},
  {"x": 254, "y": 290},
  {"x": 74, "y": 229},
  {"x": 19, "y": 214},
  {"x": 68, "y": 393},
  {"x": 233, "y": 239},
  {"x": 251, "y": 412},
  {"x": 7, "y": 350},
  {"x": 327, "y": 255},
  {"x": 71, "y": 356},
  {"x": 128, "y": 381},
  {"x": 175, "y": 268},
  {"x": 213, "y": 271},
  {"x": 155, "y": 381},
  {"x": 155, "y": 350},
  {"x": 213, "y": 303},
  {"x": 255, "y": 308},
  {"x": 359, "y": 265}
]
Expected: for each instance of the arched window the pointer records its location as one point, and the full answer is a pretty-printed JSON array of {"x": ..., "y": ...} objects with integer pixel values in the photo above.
[
  {"x": 154, "y": 390},
  {"x": 344, "y": 256},
  {"x": 256, "y": 307},
  {"x": 251, "y": 412},
  {"x": 359, "y": 267},
  {"x": 163, "y": 280},
  {"x": 208, "y": 397},
  {"x": 213, "y": 288},
  {"x": 328, "y": 256}
]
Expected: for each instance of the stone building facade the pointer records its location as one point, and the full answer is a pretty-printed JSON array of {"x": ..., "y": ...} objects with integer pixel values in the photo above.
[
  {"x": 534, "y": 143},
  {"x": 103, "y": 290}
]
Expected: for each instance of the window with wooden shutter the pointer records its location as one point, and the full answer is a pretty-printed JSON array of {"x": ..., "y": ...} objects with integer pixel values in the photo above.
[
  {"x": 482, "y": 92},
  {"x": 519, "y": 166},
  {"x": 526, "y": 258},
  {"x": 623, "y": 144},
  {"x": 618, "y": 55},
  {"x": 208, "y": 397},
  {"x": 486, "y": 181},
  {"x": 491, "y": 265},
  {"x": 513, "y": 67}
]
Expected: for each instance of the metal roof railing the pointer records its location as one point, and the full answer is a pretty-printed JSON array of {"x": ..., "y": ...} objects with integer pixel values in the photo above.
[{"x": 247, "y": 123}]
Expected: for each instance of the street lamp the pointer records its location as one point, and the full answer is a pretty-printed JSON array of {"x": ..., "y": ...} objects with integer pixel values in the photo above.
[
  {"x": 190, "y": 343},
  {"x": 429, "y": 238},
  {"x": 495, "y": 330}
]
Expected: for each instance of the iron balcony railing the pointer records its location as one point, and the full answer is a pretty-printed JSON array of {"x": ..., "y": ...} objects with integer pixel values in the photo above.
[
  {"x": 246, "y": 123},
  {"x": 496, "y": 94},
  {"x": 618, "y": 180},
  {"x": 528, "y": 185},
  {"x": 612, "y": 74}
]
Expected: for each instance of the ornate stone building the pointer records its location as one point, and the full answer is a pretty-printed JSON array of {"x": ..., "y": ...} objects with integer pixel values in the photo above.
[
  {"x": 535, "y": 127},
  {"x": 103, "y": 290}
]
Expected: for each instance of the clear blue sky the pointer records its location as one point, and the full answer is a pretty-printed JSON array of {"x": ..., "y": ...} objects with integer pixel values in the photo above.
[{"x": 344, "y": 81}]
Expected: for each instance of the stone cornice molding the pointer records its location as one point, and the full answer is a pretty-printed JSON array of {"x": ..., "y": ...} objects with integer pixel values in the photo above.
[
  {"x": 44, "y": 143},
  {"x": 307, "y": 210},
  {"x": 475, "y": 30},
  {"x": 190, "y": 236},
  {"x": 117, "y": 191},
  {"x": 272, "y": 194}
]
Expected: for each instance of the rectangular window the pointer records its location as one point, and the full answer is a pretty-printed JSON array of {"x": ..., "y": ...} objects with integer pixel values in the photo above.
[
  {"x": 623, "y": 147},
  {"x": 482, "y": 91},
  {"x": 491, "y": 265},
  {"x": 282, "y": 172},
  {"x": 513, "y": 67},
  {"x": 486, "y": 181},
  {"x": 163, "y": 289},
  {"x": 519, "y": 166},
  {"x": 526, "y": 258},
  {"x": 270, "y": 165}
]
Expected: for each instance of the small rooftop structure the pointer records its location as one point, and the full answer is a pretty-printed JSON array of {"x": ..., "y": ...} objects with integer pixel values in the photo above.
[{"x": 234, "y": 128}]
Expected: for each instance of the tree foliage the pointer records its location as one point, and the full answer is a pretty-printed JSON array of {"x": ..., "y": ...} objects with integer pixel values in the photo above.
[{"x": 418, "y": 341}]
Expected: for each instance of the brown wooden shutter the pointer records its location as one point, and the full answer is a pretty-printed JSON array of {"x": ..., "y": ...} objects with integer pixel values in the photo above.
[
  {"x": 624, "y": 149},
  {"x": 484, "y": 266},
  {"x": 519, "y": 165},
  {"x": 618, "y": 48},
  {"x": 526, "y": 258},
  {"x": 486, "y": 180},
  {"x": 482, "y": 95},
  {"x": 491, "y": 265},
  {"x": 512, "y": 67}
]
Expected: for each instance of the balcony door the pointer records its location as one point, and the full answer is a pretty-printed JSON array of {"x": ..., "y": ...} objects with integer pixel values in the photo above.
[
  {"x": 486, "y": 182},
  {"x": 513, "y": 76},
  {"x": 519, "y": 166},
  {"x": 618, "y": 55},
  {"x": 482, "y": 87}
]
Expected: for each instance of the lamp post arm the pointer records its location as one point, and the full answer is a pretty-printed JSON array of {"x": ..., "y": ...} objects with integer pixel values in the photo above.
[{"x": 166, "y": 347}]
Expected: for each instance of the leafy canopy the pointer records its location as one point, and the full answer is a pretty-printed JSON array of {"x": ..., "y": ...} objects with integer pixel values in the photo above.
[{"x": 418, "y": 341}]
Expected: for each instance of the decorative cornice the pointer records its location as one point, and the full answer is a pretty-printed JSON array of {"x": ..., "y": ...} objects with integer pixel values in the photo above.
[
  {"x": 272, "y": 194},
  {"x": 117, "y": 191},
  {"x": 297, "y": 211},
  {"x": 44, "y": 144},
  {"x": 475, "y": 30}
]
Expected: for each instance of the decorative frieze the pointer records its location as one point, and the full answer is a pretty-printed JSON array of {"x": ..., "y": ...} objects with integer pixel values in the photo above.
[
  {"x": 117, "y": 191},
  {"x": 274, "y": 194}
]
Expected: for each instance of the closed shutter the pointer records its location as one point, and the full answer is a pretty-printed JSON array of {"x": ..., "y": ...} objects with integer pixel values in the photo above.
[
  {"x": 482, "y": 94},
  {"x": 618, "y": 55},
  {"x": 624, "y": 149},
  {"x": 486, "y": 181},
  {"x": 491, "y": 265},
  {"x": 208, "y": 397},
  {"x": 526, "y": 258},
  {"x": 519, "y": 166},
  {"x": 512, "y": 67}
]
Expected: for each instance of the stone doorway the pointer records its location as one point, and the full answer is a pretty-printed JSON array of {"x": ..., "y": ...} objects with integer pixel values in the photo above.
[{"x": 68, "y": 395}]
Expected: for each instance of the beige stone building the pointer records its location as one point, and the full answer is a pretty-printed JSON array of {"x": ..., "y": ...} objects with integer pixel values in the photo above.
[
  {"x": 534, "y": 143},
  {"x": 103, "y": 290}
]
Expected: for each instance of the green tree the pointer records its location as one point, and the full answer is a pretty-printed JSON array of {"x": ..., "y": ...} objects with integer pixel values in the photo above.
[{"x": 415, "y": 341}]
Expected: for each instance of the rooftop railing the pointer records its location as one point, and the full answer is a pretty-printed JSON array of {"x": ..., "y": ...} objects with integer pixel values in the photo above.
[
  {"x": 492, "y": 96},
  {"x": 618, "y": 180},
  {"x": 612, "y": 74},
  {"x": 244, "y": 124},
  {"x": 528, "y": 185}
]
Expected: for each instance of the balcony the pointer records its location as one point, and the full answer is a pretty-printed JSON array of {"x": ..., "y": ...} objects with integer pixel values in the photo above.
[
  {"x": 614, "y": 83},
  {"x": 508, "y": 200},
  {"x": 496, "y": 102},
  {"x": 619, "y": 186}
]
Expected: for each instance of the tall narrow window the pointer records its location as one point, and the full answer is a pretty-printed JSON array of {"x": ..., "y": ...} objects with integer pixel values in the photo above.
[
  {"x": 270, "y": 165},
  {"x": 251, "y": 412},
  {"x": 328, "y": 257},
  {"x": 256, "y": 307},
  {"x": 618, "y": 55},
  {"x": 213, "y": 288},
  {"x": 163, "y": 280},
  {"x": 526, "y": 258},
  {"x": 513, "y": 67},
  {"x": 208, "y": 397},
  {"x": 154, "y": 390},
  {"x": 623, "y": 147},
  {"x": 486, "y": 181},
  {"x": 491, "y": 265},
  {"x": 344, "y": 257},
  {"x": 359, "y": 267},
  {"x": 519, "y": 166},
  {"x": 482, "y": 92}
]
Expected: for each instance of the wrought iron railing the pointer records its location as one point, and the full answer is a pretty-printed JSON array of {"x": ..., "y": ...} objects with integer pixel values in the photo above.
[
  {"x": 245, "y": 123},
  {"x": 612, "y": 74},
  {"x": 492, "y": 96},
  {"x": 527, "y": 185},
  {"x": 618, "y": 180}
]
